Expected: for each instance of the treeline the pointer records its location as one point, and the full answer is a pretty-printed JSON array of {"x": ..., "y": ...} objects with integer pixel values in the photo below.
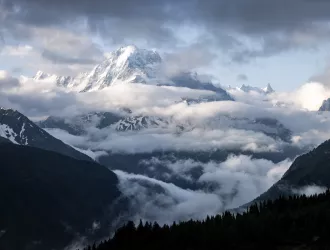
[{"x": 285, "y": 223}]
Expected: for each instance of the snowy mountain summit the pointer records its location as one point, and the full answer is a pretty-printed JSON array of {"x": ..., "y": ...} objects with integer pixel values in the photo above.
[
  {"x": 131, "y": 65},
  {"x": 267, "y": 90},
  {"x": 125, "y": 65}
]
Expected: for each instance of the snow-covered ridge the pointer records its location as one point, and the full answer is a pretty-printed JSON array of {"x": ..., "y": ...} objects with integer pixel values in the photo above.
[
  {"x": 247, "y": 88},
  {"x": 135, "y": 123},
  {"x": 16, "y": 127}
]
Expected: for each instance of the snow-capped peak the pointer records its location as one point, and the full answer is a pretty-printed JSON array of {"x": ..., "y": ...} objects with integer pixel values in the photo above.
[
  {"x": 127, "y": 64},
  {"x": 135, "y": 57},
  {"x": 268, "y": 89},
  {"x": 41, "y": 75}
]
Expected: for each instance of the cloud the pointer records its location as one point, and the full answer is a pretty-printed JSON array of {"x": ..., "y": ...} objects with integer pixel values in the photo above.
[
  {"x": 245, "y": 30},
  {"x": 238, "y": 180},
  {"x": 308, "y": 96},
  {"x": 242, "y": 77},
  {"x": 310, "y": 190},
  {"x": 7, "y": 82},
  {"x": 188, "y": 59},
  {"x": 54, "y": 50},
  {"x": 209, "y": 126},
  {"x": 168, "y": 203},
  {"x": 245, "y": 177}
]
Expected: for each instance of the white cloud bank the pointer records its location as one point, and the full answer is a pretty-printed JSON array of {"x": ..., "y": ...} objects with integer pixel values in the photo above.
[
  {"x": 208, "y": 126},
  {"x": 310, "y": 190},
  {"x": 235, "y": 182}
]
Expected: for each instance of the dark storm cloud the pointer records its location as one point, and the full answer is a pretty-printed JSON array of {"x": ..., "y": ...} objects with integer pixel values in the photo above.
[
  {"x": 116, "y": 19},
  {"x": 276, "y": 26}
]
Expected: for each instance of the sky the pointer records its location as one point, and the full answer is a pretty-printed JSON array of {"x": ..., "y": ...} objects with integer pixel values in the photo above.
[{"x": 253, "y": 42}]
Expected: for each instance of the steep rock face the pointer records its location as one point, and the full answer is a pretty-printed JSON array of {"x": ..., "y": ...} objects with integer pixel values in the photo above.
[
  {"x": 325, "y": 105},
  {"x": 125, "y": 65},
  {"x": 309, "y": 169},
  {"x": 18, "y": 129},
  {"x": 49, "y": 199}
]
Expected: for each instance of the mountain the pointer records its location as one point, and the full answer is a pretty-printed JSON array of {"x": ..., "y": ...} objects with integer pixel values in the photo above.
[
  {"x": 4, "y": 140},
  {"x": 125, "y": 65},
  {"x": 60, "y": 80},
  {"x": 325, "y": 105},
  {"x": 17, "y": 128},
  {"x": 134, "y": 123},
  {"x": 131, "y": 65},
  {"x": 267, "y": 90},
  {"x": 308, "y": 170},
  {"x": 49, "y": 199},
  {"x": 77, "y": 125}
]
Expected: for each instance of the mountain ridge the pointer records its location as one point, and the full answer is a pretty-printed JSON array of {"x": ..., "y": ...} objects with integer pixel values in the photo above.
[
  {"x": 266, "y": 90},
  {"x": 18, "y": 129}
]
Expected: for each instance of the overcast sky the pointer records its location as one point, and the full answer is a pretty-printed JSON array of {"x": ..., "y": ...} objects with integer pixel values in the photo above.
[{"x": 282, "y": 42}]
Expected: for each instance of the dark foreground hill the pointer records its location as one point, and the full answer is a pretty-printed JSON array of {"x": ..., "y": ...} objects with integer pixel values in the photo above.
[
  {"x": 300, "y": 223},
  {"x": 48, "y": 199},
  {"x": 311, "y": 169}
]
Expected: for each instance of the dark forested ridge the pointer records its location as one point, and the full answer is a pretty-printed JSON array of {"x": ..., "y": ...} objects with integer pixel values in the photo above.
[
  {"x": 48, "y": 199},
  {"x": 312, "y": 168},
  {"x": 286, "y": 223}
]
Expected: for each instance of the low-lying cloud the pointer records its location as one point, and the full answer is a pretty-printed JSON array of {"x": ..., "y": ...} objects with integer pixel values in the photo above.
[
  {"x": 252, "y": 124},
  {"x": 310, "y": 190},
  {"x": 235, "y": 182}
]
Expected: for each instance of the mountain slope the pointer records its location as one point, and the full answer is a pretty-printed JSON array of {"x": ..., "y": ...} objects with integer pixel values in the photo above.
[
  {"x": 309, "y": 169},
  {"x": 48, "y": 199},
  {"x": 20, "y": 130}
]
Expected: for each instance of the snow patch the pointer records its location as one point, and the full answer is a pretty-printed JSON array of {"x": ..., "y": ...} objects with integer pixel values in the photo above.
[{"x": 8, "y": 133}]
